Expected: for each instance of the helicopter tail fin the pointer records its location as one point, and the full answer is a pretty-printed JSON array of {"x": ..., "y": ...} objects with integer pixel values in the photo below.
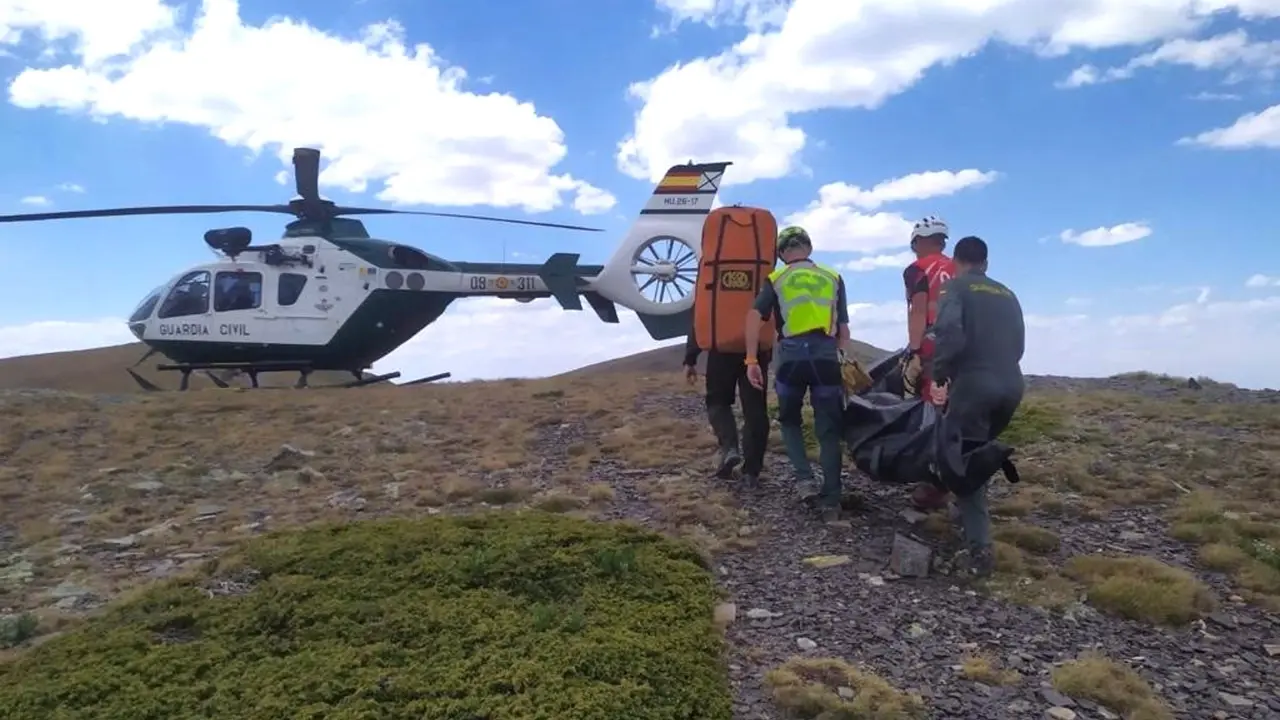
[{"x": 654, "y": 269}]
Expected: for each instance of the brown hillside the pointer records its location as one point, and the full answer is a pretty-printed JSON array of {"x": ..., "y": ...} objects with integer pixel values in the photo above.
[
  {"x": 102, "y": 370},
  {"x": 670, "y": 357}
]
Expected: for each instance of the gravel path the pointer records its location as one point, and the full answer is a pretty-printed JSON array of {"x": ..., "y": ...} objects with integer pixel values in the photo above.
[{"x": 916, "y": 632}]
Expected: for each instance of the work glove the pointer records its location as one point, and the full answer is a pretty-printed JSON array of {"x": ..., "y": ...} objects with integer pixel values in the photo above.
[
  {"x": 911, "y": 370},
  {"x": 854, "y": 378}
]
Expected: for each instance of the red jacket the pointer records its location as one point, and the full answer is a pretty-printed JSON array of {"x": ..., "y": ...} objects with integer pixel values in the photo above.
[{"x": 928, "y": 274}]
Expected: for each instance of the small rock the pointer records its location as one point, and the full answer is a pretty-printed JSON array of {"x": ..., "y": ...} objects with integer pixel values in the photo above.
[
  {"x": 1106, "y": 714},
  {"x": 914, "y": 517},
  {"x": 806, "y": 644},
  {"x": 762, "y": 614},
  {"x": 392, "y": 490},
  {"x": 846, "y": 693},
  {"x": 909, "y": 558},
  {"x": 1060, "y": 713},
  {"x": 725, "y": 614},
  {"x": 288, "y": 458},
  {"x": 347, "y": 499},
  {"x": 127, "y": 541},
  {"x": 204, "y": 511},
  {"x": 826, "y": 561},
  {"x": 1053, "y": 697},
  {"x": 1223, "y": 619},
  {"x": 147, "y": 485},
  {"x": 1235, "y": 701},
  {"x": 1272, "y": 650}
]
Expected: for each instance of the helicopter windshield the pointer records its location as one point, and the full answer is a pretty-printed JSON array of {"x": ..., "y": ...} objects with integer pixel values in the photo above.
[{"x": 147, "y": 306}]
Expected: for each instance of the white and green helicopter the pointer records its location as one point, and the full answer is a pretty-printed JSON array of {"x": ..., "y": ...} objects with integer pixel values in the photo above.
[{"x": 327, "y": 296}]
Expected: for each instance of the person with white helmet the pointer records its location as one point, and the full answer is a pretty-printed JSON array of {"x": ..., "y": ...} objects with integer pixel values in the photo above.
[{"x": 923, "y": 279}]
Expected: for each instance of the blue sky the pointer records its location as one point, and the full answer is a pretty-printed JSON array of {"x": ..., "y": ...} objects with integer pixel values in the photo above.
[{"x": 874, "y": 97}]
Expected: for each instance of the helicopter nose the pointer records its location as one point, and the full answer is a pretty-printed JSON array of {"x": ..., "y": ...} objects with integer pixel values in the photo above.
[{"x": 137, "y": 328}]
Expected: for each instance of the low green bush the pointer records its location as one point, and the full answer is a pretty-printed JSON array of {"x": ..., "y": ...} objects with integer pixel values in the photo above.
[{"x": 498, "y": 615}]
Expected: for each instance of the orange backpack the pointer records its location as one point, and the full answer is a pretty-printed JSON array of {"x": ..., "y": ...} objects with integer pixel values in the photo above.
[{"x": 739, "y": 250}]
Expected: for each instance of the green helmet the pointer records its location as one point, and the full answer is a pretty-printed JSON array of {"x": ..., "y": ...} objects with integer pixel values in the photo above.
[{"x": 793, "y": 236}]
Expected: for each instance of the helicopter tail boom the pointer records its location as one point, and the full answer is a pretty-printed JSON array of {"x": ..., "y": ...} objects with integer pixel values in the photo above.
[{"x": 654, "y": 270}]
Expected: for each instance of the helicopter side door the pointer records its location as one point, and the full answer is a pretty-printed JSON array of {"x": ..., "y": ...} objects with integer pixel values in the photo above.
[
  {"x": 238, "y": 306},
  {"x": 186, "y": 313}
]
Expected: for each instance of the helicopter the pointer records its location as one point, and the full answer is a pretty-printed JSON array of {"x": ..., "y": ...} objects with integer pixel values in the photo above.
[{"x": 327, "y": 296}]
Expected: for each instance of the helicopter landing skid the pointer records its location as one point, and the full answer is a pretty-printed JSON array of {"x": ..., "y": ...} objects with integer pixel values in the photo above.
[{"x": 252, "y": 370}]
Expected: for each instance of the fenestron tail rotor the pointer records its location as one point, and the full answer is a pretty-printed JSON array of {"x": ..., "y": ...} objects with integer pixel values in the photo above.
[{"x": 308, "y": 206}]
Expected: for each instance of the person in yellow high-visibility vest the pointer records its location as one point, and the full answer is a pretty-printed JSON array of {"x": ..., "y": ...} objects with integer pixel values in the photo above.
[{"x": 813, "y": 327}]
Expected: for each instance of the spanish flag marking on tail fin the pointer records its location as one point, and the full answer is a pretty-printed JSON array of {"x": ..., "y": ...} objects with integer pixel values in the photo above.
[{"x": 680, "y": 181}]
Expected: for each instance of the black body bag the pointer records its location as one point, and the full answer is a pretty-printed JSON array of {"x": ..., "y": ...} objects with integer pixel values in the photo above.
[{"x": 903, "y": 441}]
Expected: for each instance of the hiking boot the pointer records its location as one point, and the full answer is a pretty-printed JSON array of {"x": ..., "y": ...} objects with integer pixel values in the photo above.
[
  {"x": 806, "y": 491},
  {"x": 927, "y": 497},
  {"x": 750, "y": 480},
  {"x": 982, "y": 562},
  {"x": 730, "y": 458}
]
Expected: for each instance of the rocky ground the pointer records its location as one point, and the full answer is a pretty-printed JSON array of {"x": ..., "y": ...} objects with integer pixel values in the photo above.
[
  {"x": 795, "y": 587},
  {"x": 917, "y": 632}
]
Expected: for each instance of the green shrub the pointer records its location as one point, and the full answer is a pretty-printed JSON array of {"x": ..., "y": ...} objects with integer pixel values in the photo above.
[{"x": 497, "y": 615}]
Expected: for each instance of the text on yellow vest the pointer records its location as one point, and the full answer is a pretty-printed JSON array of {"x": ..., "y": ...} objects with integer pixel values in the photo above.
[{"x": 807, "y": 296}]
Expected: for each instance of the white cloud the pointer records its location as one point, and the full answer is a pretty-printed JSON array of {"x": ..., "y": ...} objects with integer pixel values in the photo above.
[
  {"x": 382, "y": 112},
  {"x": 754, "y": 14},
  {"x": 1252, "y": 130},
  {"x": 36, "y": 201},
  {"x": 836, "y": 222},
  {"x": 743, "y": 103},
  {"x": 1206, "y": 96},
  {"x": 876, "y": 262},
  {"x": 486, "y": 338},
  {"x": 1107, "y": 236},
  {"x": 71, "y": 188},
  {"x": 1079, "y": 302},
  {"x": 1228, "y": 51},
  {"x": 1262, "y": 281},
  {"x": 57, "y": 336}
]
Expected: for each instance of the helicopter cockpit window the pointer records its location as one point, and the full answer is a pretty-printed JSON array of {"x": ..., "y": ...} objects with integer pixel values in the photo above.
[
  {"x": 237, "y": 291},
  {"x": 147, "y": 306},
  {"x": 290, "y": 288},
  {"x": 190, "y": 296}
]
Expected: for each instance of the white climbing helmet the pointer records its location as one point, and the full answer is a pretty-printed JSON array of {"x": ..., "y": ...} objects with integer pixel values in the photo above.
[{"x": 930, "y": 225}]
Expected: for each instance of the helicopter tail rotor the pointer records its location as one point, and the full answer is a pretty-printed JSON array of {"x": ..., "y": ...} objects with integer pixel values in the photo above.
[{"x": 654, "y": 270}]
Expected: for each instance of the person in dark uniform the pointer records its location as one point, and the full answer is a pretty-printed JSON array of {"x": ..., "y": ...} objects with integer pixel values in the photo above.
[
  {"x": 979, "y": 339},
  {"x": 727, "y": 376}
]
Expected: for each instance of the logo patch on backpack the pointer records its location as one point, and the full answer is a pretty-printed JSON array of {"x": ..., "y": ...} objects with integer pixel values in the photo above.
[{"x": 737, "y": 280}]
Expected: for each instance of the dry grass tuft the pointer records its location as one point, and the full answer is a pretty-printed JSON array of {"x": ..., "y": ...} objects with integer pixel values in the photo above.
[
  {"x": 1112, "y": 684},
  {"x": 1028, "y": 537},
  {"x": 986, "y": 669},
  {"x": 1238, "y": 538},
  {"x": 1141, "y": 588},
  {"x": 832, "y": 689}
]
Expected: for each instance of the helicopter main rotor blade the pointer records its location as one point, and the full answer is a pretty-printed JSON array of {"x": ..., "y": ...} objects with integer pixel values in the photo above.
[
  {"x": 149, "y": 210},
  {"x": 306, "y": 173},
  {"x": 487, "y": 218}
]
